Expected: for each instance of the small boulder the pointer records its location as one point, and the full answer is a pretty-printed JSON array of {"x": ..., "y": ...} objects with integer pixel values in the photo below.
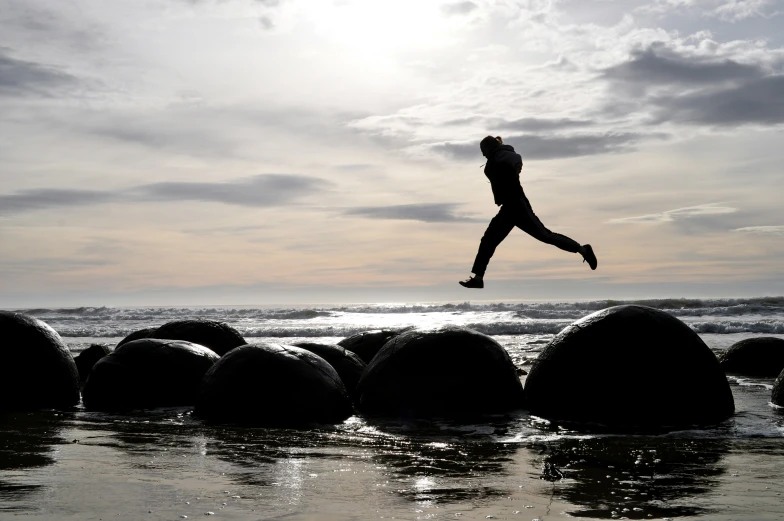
[
  {"x": 629, "y": 367},
  {"x": 38, "y": 369},
  {"x": 348, "y": 365},
  {"x": 138, "y": 335},
  {"x": 214, "y": 335},
  {"x": 368, "y": 343},
  {"x": 272, "y": 385},
  {"x": 760, "y": 356},
  {"x": 777, "y": 396},
  {"x": 148, "y": 373},
  {"x": 88, "y": 358},
  {"x": 449, "y": 371}
]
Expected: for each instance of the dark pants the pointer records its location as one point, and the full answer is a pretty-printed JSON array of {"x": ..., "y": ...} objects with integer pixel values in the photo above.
[{"x": 516, "y": 213}]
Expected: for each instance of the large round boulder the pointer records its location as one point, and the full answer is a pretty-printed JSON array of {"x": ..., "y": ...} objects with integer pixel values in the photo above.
[
  {"x": 366, "y": 344},
  {"x": 217, "y": 336},
  {"x": 760, "y": 356},
  {"x": 272, "y": 385},
  {"x": 138, "y": 335},
  {"x": 449, "y": 371},
  {"x": 777, "y": 396},
  {"x": 629, "y": 366},
  {"x": 348, "y": 365},
  {"x": 38, "y": 370},
  {"x": 148, "y": 373},
  {"x": 88, "y": 358}
]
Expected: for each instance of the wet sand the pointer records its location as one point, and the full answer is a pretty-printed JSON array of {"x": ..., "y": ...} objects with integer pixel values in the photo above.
[{"x": 164, "y": 464}]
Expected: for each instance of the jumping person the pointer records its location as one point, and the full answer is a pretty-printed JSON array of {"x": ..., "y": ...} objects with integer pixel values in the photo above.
[{"x": 503, "y": 170}]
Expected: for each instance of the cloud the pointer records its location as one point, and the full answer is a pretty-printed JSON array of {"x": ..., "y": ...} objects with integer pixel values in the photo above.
[
  {"x": 531, "y": 146},
  {"x": 356, "y": 167},
  {"x": 22, "y": 78},
  {"x": 261, "y": 191},
  {"x": 538, "y": 124},
  {"x": 658, "y": 65},
  {"x": 266, "y": 23},
  {"x": 526, "y": 124},
  {"x": 677, "y": 214},
  {"x": 257, "y": 191},
  {"x": 48, "y": 265},
  {"x": 201, "y": 128},
  {"x": 755, "y": 102},
  {"x": 52, "y": 198},
  {"x": 700, "y": 85},
  {"x": 736, "y": 10},
  {"x": 458, "y": 8},
  {"x": 425, "y": 212},
  {"x": 761, "y": 230},
  {"x": 28, "y": 25},
  {"x": 406, "y": 127},
  {"x": 726, "y": 10}
]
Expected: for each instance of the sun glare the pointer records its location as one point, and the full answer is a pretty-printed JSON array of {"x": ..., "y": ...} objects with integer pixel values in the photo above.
[{"x": 380, "y": 26}]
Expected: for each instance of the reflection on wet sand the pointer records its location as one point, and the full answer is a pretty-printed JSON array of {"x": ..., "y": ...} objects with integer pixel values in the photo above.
[
  {"x": 448, "y": 462},
  {"x": 633, "y": 477},
  {"x": 168, "y": 462},
  {"x": 444, "y": 472},
  {"x": 27, "y": 441},
  {"x": 434, "y": 462}
]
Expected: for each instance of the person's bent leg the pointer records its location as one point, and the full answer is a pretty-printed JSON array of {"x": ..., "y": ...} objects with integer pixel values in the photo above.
[
  {"x": 496, "y": 232},
  {"x": 530, "y": 224}
]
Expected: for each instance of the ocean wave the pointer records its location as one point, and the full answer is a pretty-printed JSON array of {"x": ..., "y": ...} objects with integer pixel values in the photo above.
[
  {"x": 770, "y": 327},
  {"x": 492, "y": 328},
  {"x": 540, "y": 310},
  {"x": 764, "y": 315},
  {"x": 169, "y": 314}
]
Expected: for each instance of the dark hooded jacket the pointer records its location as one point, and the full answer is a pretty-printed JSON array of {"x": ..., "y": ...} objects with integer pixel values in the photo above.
[{"x": 503, "y": 170}]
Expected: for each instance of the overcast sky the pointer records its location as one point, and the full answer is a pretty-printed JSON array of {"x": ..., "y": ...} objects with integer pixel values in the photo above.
[{"x": 176, "y": 152}]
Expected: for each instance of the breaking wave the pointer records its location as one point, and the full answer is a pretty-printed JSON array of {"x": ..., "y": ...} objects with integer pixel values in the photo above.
[{"x": 754, "y": 315}]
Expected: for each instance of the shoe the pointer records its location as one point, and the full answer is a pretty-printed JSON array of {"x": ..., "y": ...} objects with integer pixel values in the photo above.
[
  {"x": 589, "y": 256},
  {"x": 473, "y": 282}
]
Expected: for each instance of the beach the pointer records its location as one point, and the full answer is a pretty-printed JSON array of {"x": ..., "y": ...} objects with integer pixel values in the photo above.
[{"x": 167, "y": 464}]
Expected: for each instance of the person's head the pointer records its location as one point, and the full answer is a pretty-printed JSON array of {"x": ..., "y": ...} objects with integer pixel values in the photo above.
[{"x": 489, "y": 144}]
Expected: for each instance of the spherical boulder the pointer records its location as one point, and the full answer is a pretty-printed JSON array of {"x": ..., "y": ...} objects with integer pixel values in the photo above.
[
  {"x": 217, "y": 336},
  {"x": 760, "y": 356},
  {"x": 449, "y": 371},
  {"x": 347, "y": 364},
  {"x": 148, "y": 373},
  {"x": 368, "y": 343},
  {"x": 777, "y": 396},
  {"x": 137, "y": 335},
  {"x": 38, "y": 369},
  {"x": 272, "y": 385},
  {"x": 629, "y": 367},
  {"x": 88, "y": 358}
]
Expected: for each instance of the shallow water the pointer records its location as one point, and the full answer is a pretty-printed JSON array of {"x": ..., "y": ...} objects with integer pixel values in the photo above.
[{"x": 166, "y": 464}]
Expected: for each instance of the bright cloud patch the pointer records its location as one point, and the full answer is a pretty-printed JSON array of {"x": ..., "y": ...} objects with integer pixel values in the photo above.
[
  {"x": 673, "y": 215},
  {"x": 726, "y": 10},
  {"x": 762, "y": 230}
]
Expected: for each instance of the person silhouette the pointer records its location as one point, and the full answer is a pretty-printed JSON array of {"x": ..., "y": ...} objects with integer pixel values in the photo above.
[{"x": 503, "y": 170}]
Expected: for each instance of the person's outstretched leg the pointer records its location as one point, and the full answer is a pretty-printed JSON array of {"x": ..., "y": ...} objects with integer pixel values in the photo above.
[
  {"x": 496, "y": 232},
  {"x": 530, "y": 224}
]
